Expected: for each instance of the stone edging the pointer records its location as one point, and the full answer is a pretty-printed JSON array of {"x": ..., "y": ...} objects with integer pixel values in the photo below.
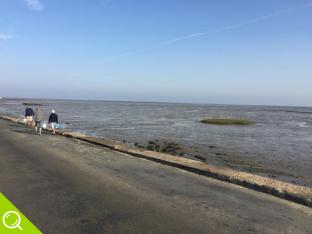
[{"x": 291, "y": 192}]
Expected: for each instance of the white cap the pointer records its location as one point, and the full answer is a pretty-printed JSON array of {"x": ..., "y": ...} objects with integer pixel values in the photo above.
[{"x": 53, "y": 111}]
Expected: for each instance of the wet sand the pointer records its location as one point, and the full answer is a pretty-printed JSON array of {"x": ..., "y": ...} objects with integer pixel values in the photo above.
[{"x": 221, "y": 156}]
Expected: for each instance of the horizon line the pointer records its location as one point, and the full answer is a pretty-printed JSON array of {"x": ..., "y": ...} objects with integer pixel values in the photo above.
[{"x": 140, "y": 101}]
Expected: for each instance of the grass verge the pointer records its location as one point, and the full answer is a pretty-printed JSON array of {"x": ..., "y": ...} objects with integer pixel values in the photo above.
[{"x": 220, "y": 121}]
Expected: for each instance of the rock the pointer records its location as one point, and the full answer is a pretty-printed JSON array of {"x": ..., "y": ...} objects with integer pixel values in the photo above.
[
  {"x": 150, "y": 147},
  {"x": 200, "y": 158},
  {"x": 157, "y": 148}
]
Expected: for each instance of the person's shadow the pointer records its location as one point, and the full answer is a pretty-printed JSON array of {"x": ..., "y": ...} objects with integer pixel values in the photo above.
[{"x": 25, "y": 131}]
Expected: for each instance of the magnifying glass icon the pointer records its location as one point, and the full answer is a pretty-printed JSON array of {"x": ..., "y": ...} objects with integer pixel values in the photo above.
[{"x": 12, "y": 220}]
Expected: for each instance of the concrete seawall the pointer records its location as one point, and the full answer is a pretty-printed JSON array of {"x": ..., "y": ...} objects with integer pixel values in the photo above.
[{"x": 291, "y": 192}]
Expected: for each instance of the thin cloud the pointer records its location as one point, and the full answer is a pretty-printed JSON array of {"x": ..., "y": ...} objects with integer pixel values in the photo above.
[
  {"x": 217, "y": 30},
  {"x": 5, "y": 36},
  {"x": 35, "y": 5},
  {"x": 129, "y": 53}
]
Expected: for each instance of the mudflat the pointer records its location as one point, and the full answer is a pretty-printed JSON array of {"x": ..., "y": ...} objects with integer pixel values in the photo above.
[{"x": 66, "y": 186}]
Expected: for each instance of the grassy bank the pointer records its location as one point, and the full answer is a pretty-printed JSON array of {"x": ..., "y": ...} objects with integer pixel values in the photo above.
[{"x": 221, "y": 121}]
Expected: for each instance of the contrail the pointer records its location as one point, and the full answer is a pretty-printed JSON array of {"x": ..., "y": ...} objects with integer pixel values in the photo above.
[{"x": 217, "y": 30}]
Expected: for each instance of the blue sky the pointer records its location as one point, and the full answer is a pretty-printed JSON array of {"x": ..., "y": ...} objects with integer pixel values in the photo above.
[{"x": 221, "y": 51}]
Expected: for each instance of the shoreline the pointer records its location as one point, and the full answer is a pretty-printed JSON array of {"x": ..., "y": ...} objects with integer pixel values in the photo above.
[
  {"x": 220, "y": 156},
  {"x": 277, "y": 146},
  {"x": 291, "y": 192}
]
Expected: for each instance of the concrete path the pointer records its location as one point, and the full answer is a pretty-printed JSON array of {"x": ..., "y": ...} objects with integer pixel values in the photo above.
[{"x": 66, "y": 186}]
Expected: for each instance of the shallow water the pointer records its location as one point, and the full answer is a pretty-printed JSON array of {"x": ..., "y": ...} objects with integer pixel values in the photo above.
[{"x": 278, "y": 145}]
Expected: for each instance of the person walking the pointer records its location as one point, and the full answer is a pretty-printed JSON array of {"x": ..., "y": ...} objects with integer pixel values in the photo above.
[
  {"x": 29, "y": 114},
  {"x": 53, "y": 120},
  {"x": 39, "y": 117}
]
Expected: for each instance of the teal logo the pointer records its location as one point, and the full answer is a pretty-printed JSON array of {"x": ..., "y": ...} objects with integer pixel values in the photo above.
[{"x": 13, "y": 221}]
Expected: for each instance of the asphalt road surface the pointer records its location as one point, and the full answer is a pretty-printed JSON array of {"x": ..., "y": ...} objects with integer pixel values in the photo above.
[{"x": 66, "y": 186}]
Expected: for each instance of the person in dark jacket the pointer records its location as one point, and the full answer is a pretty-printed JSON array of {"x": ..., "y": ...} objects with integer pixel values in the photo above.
[
  {"x": 29, "y": 114},
  {"x": 53, "y": 120}
]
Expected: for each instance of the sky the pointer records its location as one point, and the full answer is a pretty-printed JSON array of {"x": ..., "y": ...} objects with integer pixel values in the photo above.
[{"x": 255, "y": 52}]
